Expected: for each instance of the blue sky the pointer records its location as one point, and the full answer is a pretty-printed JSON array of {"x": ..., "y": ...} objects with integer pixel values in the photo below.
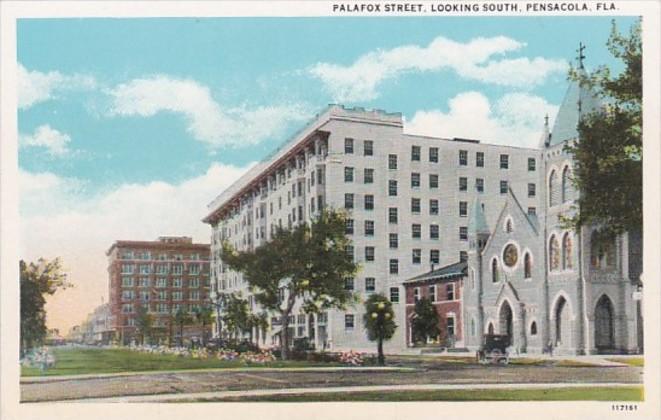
[{"x": 128, "y": 128}]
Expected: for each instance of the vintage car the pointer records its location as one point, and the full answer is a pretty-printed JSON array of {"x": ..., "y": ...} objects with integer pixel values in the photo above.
[{"x": 494, "y": 349}]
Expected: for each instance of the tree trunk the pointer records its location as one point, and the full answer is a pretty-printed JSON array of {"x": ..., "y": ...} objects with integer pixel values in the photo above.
[
  {"x": 284, "y": 337},
  {"x": 382, "y": 360}
]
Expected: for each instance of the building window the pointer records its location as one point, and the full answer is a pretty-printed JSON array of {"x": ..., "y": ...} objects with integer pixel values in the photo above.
[
  {"x": 527, "y": 266},
  {"x": 394, "y": 266},
  {"x": 369, "y": 253},
  {"x": 433, "y": 154},
  {"x": 127, "y": 281},
  {"x": 394, "y": 294},
  {"x": 434, "y": 256},
  {"x": 416, "y": 256},
  {"x": 479, "y": 185},
  {"x": 503, "y": 187},
  {"x": 532, "y": 211},
  {"x": 554, "y": 253},
  {"x": 531, "y": 190},
  {"x": 415, "y": 205},
  {"x": 463, "y": 208},
  {"x": 415, "y": 180},
  {"x": 479, "y": 159},
  {"x": 567, "y": 263},
  {"x": 504, "y": 161},
  {"x": 144, "y": 282},
  {"x": 433, "y": 232},
  {"x": 194, "y": 283},
  {"x": 553, "y": 189},
  {"x": 494, "y": 270},
  {"x": 349, "y": 227},
  {"x": 161, "y": 282},
  {"x": 368, "y": 176},
  {"x": 127, "y": 295},
  {"x": 463, "y": 157},
  {"x": 463, "y": 183},
  {"x": 348, "y": 145},
  {"x": 392, "y": 188},
  {"x": 463, "y": 233},
  {"x": 449, "y": 291},
  {"x": 370, "y": 284},
  {"x": 416, "y": 231},
  {"x": 348, "y": 283},
  {"x": 348, "y": 201},
  {"x": 416, "y": 294},
  {"x": 368, "y": 148},
  {"x": 463, "y": 256},
  {"x": 348, "y": 174},
  {"x": 348, "y": 321},
  {"x": 433, "y": 181},
  {"x": 392, "y": 161},
  {"x": 127, "y": 268},
  {"x": 369, "y": 227},
  {"x": 532, "y": 164},
  {"x": 369, "y": 202},
  {"x": 433, "y": 207},
  {"x": 533, "y": 328},
  {"x": 450, "y": 326},
  {"x": 127, "y": 308},
  {"x": 415, "y": 153},
  {"x": 177, "y": 295},
  {"x": 392, "y": 215},
  {"x": 566, "y": 185},
  {"x": 393, "y": 240},
  {"x": 177, "y": 282}
]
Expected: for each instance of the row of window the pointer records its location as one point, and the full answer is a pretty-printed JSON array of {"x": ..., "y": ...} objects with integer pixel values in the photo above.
[
  {"x": 162, "y": 282},
  {"x": 146, "y": 255},
  {"x": 504, "y": 162},
  {"x": 160, "y": 295},
  {"x": 370, "y": 284},
  {"x": 161, "y": 308},
  {"x": 431, "y": 293},
  {"x": 368, "y": 147},
  {"x": 193, "y": 269}
]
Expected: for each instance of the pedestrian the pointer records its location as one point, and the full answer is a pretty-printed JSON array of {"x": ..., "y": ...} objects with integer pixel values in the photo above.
[{"x": 551, "y": 347}]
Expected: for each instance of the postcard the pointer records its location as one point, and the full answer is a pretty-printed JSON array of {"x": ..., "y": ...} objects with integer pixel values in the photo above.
[{"x": 271, "y": 209}]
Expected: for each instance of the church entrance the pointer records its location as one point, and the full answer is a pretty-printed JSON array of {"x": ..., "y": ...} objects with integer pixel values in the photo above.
[
  {"x": 505, "y": 320},
  {"x": 563, "y": 328},
  {"x": 603, "y": 325}
]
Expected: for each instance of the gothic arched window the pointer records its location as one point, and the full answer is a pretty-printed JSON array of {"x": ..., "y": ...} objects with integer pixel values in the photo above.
[
  {"x": 553, "y": 189},
  {"x": 567, "y": 262},
  {"x": 533, "y": 328},
  {"x": 603, "y": 251},
  {"x": 494, "y": 270},
  {"x": 566, "y": 185},
  {"x": 527, "y": 266},
  {"x": 554, "y": 253}
]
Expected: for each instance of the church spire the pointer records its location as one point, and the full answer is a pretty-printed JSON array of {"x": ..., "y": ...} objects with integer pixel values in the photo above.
[{"x": 545, "y": 138}]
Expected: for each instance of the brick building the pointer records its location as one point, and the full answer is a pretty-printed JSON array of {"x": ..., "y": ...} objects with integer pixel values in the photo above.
[
  {"x": 163, "y": 275},
  {"x": 444, "y": 288}
]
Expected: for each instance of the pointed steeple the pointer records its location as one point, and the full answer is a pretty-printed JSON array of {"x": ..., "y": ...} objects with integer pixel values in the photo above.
[
  {"x": 579, "y": 100},
  {"x": 545, "y": 138},
  {"x": 477, "y": 222}
]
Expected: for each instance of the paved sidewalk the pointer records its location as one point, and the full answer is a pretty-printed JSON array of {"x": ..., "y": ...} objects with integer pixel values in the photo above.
[
  {"x": 62, "y": 378},
  {"x": 347, "y": 389}
]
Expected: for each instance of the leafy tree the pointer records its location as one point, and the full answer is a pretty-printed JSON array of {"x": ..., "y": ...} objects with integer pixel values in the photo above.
[
  {"x": 306, "y": 264},
  {"x": 37, "y": 280},
  {"x": 425, "y": 321},
  {"x": 608, "y": 157},
  {"x": 379, "y": 321},
  {"x": 204, "y": 316},
  {"x": 236, "y": 315},
  {"x": 144, "y": 322},
  {"x": 181, "y": 319}
]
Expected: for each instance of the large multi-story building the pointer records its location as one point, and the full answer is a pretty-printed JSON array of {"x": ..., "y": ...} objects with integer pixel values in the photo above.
[
  {"x": 162, "y": 276},
  {"x": 408, "y": 199}
]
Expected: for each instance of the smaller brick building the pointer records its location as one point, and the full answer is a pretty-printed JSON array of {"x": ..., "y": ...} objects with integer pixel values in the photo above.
[
  {"x": 443, "y": 287},
  {"x": 162, "y": 276}
]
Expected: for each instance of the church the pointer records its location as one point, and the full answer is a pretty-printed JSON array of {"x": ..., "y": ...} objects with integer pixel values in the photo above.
[{"x": 547, "y": 287}]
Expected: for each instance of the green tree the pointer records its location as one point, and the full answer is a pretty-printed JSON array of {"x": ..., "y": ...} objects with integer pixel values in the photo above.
[
  {"x": 204, "y": 317},
  {"x": 181, "y": 319},
  {"x": 144, "y": 322},
  {"x": 379, "y": 321},
  {"x": 236, "y": 315},
  {"x": 608, "y": 157},
  {"x": 425, "y": 321},
  {"x": 37, "y": 280},
  {"x": 307, "y": 263}
]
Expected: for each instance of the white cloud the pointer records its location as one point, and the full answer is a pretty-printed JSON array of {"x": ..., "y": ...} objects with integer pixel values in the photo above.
[
  {"x": 57, "y": 220},
  {"x": 515, "y": 119},
  {"x": 35, "y": 87},
  {"x": 207, "y": 120},
  {"x": 45, "y": 136},
  {"x": 472, "y": 60}
]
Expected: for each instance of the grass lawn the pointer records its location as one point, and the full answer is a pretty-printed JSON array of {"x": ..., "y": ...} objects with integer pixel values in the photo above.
[
  {"x": 631, "y": 361},
  {"x": 632, "y": 393},
  {"x": 77, "y": 361}
]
